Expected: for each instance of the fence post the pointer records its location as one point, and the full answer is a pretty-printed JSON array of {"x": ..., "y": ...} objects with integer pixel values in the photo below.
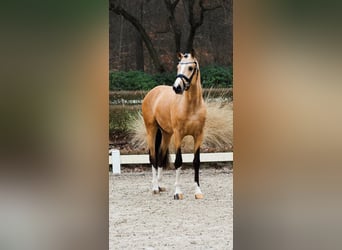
[{"x": 116, "y": 169}]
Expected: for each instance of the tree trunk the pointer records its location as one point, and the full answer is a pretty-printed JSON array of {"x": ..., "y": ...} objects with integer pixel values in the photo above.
[
  {"x": 177, "y": 33},
  {"x": 192, "y": 22},
  {"x": 190, "y": 41},
  {"x": 139, "y": 48}
]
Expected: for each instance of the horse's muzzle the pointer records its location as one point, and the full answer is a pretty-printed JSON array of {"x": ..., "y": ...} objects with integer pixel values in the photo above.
[{"x": 178, "y": 89}]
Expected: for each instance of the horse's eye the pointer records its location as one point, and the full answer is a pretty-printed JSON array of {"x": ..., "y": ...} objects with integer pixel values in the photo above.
[{"x": 191, "y": 68}]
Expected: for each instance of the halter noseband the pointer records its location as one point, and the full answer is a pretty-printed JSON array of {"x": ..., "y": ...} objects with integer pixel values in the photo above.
[{"x": 184, "y": 77}]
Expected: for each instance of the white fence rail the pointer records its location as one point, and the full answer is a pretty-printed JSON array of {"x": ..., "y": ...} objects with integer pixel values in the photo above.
[{"x": 116, "y": 160}]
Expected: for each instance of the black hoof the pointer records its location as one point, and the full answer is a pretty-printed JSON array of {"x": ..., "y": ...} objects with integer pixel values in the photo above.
[{"x": 162, "y": 189}]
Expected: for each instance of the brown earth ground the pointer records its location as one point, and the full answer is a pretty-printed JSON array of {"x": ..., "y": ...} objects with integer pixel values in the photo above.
[{"x": 140, "y": 220}]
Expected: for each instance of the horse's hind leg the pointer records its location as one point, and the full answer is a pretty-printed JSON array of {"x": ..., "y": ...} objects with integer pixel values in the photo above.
[
  {"x": 163, "y": 158},
  {"x": 151, "y": 141}
]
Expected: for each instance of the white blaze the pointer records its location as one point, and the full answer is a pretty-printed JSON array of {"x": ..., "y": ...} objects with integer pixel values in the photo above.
[
  {"x": 182, "y": 70},
  {"x": 178, "y": 82}
]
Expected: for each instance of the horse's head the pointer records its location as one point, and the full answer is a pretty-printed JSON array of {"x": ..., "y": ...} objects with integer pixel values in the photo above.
[{"x": 186, "y": 69}]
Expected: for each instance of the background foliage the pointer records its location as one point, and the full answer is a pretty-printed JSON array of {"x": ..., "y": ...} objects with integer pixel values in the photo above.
[
  {"x": 130, "y": 80},
  {"x": 213, "y": 76}
]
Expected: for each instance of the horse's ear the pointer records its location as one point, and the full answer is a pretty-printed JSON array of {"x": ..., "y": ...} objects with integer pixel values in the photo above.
[
  {"x": 179, "y": 55},
  {"x": 192, "y": 52}
]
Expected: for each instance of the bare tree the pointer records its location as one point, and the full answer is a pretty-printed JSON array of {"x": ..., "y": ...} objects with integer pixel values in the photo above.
[
  {"x": 195, "y": 16},
  {"x": 196, "y": 22},
  {"x": 194, "y": 13},
  {"x": 115, "y": 7}
]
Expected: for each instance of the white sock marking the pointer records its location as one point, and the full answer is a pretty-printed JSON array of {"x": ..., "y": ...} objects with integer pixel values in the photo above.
[
  {"x": 154, "y": 179},
  {"x": 177, "y": 183},
  {"x": 197, "y": 189},
  {"x": 160, "y": 173}
]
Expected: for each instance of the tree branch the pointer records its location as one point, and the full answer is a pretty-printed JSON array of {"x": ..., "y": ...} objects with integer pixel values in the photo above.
[
  {"x": 171, "y": 6},
  {"x": 117, "y": 9},
  {"x": 205, "y": 9},
  {"x": 194, "y": 25}
]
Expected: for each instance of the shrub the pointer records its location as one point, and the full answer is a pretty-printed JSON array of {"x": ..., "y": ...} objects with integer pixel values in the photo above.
[
  {"x": 130, "y": 80},
  {"x": 213, "y": 76},
  {"x": 165, "y": 78},
  {"x": 217, "y": 76},
  {"x": 119, "y": 120},
  {"x": 218, "y": 130}
]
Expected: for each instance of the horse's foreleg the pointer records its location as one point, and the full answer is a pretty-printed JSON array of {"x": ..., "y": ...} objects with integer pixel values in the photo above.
[
  {"x": 196, "y": 164},
  {"x": 178, "y": 195}
]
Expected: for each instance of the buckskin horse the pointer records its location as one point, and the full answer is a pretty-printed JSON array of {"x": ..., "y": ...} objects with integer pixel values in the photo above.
[{"x": 179, "y": 111}]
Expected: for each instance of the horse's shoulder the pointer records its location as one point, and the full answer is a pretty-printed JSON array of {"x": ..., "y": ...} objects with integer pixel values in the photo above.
[
  {"x": 163, "y": 88},
  {"x": 163, "y": 91}
]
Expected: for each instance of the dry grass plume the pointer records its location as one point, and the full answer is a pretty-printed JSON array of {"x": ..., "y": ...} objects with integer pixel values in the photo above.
[{"x": 218, "y": 131}]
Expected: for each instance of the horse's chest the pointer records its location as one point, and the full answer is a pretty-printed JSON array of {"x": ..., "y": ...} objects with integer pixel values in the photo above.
[{"x": 190, "y": 124}]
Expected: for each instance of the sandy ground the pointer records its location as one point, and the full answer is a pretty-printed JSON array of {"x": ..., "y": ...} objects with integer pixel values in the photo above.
[{"x": 140, "y": 220}]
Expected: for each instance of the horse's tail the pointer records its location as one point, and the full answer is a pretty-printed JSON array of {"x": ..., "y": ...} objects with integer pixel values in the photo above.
[{"x": 161, "y": 160}]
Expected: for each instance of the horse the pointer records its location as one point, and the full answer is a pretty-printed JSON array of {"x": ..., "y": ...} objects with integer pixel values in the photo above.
[{"x": 179, "y": 111}]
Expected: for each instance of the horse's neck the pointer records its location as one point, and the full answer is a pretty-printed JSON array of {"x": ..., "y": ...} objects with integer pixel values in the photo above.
[{"x": 194, "y": 94}]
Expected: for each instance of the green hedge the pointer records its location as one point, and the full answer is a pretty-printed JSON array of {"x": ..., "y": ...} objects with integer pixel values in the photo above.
[
  {"x": 217, "y": 76},
  {"x": 131, "y": 80},
  {"x": 165, "y": 78},
  {"x": 212, "y": 76}
]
